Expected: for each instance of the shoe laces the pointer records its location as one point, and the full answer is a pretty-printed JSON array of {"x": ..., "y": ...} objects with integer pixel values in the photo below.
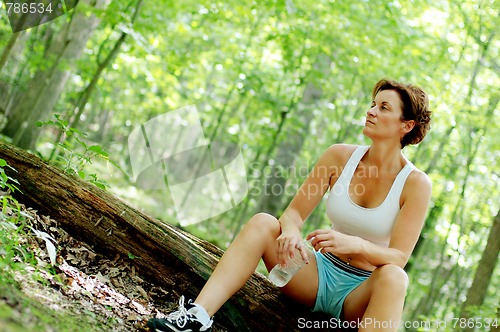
[{"x": 181, "y": 315}]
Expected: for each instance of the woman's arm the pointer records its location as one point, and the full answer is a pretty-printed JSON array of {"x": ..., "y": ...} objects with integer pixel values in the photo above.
[
  {"x": 306, "y": 199},
  {"x": 416, "y": 197}
]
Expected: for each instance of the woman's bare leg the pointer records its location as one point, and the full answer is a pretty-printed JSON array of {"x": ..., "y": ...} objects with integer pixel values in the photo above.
[
  {"x": 255, "y": 241},
  {"x": 378, "y": 302}
]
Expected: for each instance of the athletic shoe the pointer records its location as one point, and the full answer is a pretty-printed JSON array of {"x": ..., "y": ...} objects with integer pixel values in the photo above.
[{"x": 185, "y": 319}]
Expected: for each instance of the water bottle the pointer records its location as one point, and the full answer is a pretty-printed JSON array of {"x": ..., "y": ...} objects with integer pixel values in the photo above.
[{"x": 280, "y": 275}]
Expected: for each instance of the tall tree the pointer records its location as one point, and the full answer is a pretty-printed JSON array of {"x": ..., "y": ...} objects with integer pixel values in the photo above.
[
  {"x": 291, "y": 142},
  {"x": 101, "y": 66},
  {"x": 50, "y": 80},
  {"x": 478, "y": 290}
]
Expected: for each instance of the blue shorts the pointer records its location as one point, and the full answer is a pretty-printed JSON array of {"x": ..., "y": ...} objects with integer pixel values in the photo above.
[{"x": 336, "y": 279}]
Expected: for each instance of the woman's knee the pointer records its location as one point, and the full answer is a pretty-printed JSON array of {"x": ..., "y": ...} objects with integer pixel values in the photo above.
[
  {"x": 264, "y": 222},
  {"x": 392, "y": 277}
]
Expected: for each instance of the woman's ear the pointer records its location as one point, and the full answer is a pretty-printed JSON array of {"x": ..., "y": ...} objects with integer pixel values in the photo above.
[{"x": 407, "y": 126}]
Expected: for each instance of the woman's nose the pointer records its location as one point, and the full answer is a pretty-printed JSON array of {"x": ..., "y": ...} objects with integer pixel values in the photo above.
[{"x": 372, "y": 111}]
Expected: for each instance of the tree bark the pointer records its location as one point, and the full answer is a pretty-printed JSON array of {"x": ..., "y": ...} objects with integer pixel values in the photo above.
[{"x": 169, "y": 256}]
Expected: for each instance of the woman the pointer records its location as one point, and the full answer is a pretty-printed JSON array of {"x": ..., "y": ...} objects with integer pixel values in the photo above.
[{"x": 377, "y": 204}]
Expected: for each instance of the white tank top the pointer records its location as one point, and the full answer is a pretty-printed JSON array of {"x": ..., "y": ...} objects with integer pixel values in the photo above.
[{"x": 372, "y": 224}]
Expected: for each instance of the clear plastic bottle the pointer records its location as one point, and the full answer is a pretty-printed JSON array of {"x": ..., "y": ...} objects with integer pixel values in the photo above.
[{"x": 280, "y": 275}]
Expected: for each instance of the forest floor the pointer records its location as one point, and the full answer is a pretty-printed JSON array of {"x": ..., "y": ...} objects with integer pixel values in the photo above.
[{"x": 82, "y": 291}]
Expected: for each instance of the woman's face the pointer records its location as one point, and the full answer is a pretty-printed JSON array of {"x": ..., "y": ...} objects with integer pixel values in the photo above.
[{"x": 383, "y": 120}]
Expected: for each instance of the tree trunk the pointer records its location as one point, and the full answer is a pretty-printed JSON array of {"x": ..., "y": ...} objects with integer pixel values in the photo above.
[
  {"x": 87, "y": 92},
  {"x": 49, "y": 82},
  {"x": 171, "y": 257},
  {"x": 477, "y": 291},
  {"x": 8, "y": 49},
  {"x": 274, "y": 192}
]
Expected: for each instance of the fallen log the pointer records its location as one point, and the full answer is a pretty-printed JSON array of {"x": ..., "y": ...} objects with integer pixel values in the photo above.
[{"x": 170, "y": 257}]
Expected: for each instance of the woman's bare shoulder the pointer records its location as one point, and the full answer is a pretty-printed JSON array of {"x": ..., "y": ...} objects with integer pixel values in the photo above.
[
  {"x": 340, "y": 153},
  {"x": 419, "y": 181}
]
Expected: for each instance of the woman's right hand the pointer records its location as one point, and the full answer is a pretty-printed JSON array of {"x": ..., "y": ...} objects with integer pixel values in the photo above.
[{"x": 286, "y": 245}]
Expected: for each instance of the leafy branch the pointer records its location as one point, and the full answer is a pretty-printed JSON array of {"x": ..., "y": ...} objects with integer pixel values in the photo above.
[{"x": 76, "y": 154}]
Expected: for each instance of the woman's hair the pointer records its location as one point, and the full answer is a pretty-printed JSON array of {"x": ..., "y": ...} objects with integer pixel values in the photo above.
[{"x": 414, "y": 105}]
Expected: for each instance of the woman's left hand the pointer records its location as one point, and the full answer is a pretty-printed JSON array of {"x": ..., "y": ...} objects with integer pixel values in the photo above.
[{"x": 328, "y": 240}]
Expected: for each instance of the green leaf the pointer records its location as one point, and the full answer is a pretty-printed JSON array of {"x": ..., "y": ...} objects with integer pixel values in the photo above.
[{"x": 98, "y": 149}]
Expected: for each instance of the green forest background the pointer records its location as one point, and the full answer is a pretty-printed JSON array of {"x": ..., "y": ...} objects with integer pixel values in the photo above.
[{"x": 283, "y": 80}]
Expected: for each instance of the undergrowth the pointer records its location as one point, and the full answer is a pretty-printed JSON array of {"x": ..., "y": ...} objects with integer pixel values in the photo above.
[
  {"x": 73, "y": 154},
  {"x": 21, "y": 305}
]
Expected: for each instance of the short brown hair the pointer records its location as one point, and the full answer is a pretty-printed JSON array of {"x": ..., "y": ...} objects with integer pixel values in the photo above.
[{"x": 414, "y": 105}]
